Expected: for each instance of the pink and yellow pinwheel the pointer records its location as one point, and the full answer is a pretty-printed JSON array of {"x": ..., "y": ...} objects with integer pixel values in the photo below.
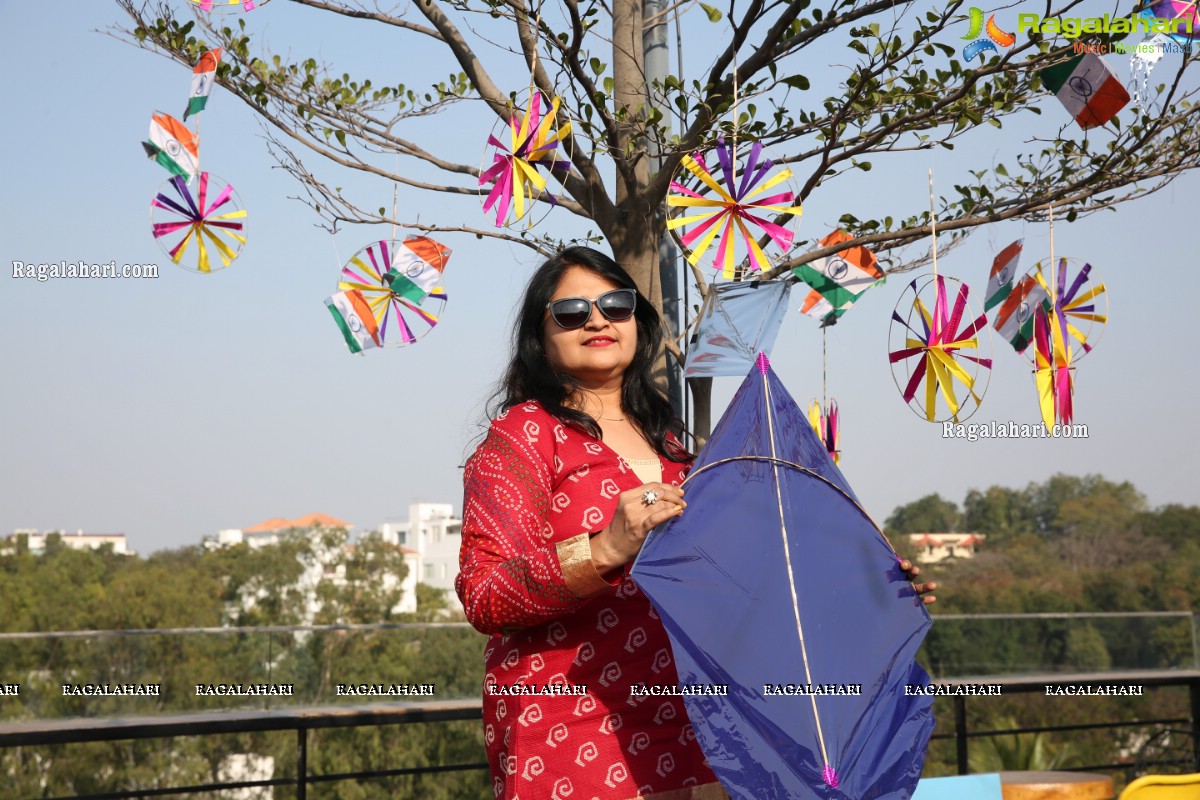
[
  {"x": 826, "y": 424},
  {"x": 228, "y": 5},
  {"x": 174, "y": 211},
  {"x": 534, "y": 142},
  {"x": 734, "y": 211},
  {"x": 1081, "y": 298},
  {"x": 1053, "y": 376},
  {"x": 931, "y": 344}
]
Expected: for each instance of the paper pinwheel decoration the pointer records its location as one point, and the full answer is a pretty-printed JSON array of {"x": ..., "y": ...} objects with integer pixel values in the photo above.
[
  {"x": 1078, "y": 296},
  {"x": 738, "y": 321},
  {"x": 928, "y": 337},
  {"x": 228, "y": 5},
  {"x": 816, "y": 660},
  {"x": 401, "y": 283},
  {"x": 825, "y": 423},
  {"x": 837, "y": 280},
  {"x": 512, "y": 168},
  {"x": 214, "y": 218},
  {"x": 1183, "y": 16},
  {"x": 1053, "y": 376},
  {"x": 733, "y": 210}
]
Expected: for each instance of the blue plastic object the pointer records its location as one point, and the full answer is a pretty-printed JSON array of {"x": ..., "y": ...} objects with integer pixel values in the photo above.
[
  {"x": 960, "y": 787},
  {"x": 805, "y": 702}
]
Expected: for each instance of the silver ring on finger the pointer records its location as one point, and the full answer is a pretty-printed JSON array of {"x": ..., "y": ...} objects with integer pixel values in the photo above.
[{"x": 649, "y": 497}]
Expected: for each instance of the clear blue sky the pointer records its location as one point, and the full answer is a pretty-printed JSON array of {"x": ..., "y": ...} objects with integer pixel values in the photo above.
[{"x": 171, "y": 408}]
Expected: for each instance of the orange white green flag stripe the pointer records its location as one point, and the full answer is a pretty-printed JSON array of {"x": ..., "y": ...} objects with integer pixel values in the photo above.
[
  {"x": 355, "y": 320},
  {"x": 1004, "y": 268},
  {"x": 173, "y": 146},
  {"x": 838, "y": 279},
  {"x": 203, "y": 78},
  {"x": 1088, "y": 88}
]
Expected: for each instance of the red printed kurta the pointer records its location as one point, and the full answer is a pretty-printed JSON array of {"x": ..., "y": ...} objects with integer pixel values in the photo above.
[{"x": 535, "y": 490}]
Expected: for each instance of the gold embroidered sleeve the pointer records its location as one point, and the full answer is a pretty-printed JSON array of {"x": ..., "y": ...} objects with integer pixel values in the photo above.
[{"x": 575, "y": 557}]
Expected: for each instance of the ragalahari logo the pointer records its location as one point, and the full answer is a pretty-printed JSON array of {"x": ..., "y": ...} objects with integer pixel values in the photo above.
[{"x": 995, "y": 36}]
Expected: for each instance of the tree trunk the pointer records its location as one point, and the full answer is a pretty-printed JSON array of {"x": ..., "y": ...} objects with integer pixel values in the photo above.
[{"x": 701, "y": 389}]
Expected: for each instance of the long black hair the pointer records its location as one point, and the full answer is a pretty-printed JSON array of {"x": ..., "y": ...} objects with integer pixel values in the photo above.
[{"x": 531, "y": 375}]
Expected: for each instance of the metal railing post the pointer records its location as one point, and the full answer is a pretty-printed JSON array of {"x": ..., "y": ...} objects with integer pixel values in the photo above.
[
  {"x": 302, "y": 763},
  {"x": 960, "y": 734},
  {"x": 1194, "y": 692}
]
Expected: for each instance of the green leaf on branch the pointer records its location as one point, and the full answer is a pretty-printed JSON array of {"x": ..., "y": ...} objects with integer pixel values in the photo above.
[{"x": 797, "y": 82}]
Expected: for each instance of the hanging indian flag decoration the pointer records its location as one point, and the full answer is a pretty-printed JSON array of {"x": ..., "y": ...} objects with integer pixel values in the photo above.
[
  {"x": 838, "y": 279},
  {"x": 355, "y": 320},
  {"x": 1088, "y": 88},
  {"x": 1014, "y": 320},
  {"x": 417, "y": 268},
  {"x": 173, "y": 146},
  {"x": 203, "y": 78},
  {"x": 1004, "y": 268}
]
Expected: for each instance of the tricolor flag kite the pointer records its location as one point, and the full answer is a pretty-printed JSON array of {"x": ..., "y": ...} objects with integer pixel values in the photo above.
[
  {"x": 837, "y": 280},
  {"x": 173, "y": 146},
  {"x": 203, "y": 78},
  {"x": 353, "y": 316},
  {"x": 417, "y": 267},
  {"x": 1003, "y": 270},
  {"x": 1014, "y": 320},
  {"x": 1088, "y": 87}
]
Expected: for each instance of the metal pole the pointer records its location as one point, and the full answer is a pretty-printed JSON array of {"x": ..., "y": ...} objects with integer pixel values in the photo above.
[
  {"x": 960, "y": 734},
  {"x": 302, "y": 763},
  {"x": 656, "y": 54}
]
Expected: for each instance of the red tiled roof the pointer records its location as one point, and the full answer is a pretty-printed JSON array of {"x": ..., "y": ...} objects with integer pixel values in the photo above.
[{"x": 306, "y": 521}]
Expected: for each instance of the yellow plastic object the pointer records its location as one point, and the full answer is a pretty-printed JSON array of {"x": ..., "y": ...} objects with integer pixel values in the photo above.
[{"x": 1164, "y": 787}]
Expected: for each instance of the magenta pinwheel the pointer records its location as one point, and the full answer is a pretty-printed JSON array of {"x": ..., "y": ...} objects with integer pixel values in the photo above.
[
  {"x": 401, "y": 283},
  {"x": 1054, "y": 374},
  {"x": 187, "y": 226},
  {"x": 513, "y": 173},
  {"x": 930, "y": 342},
  {"x": 228, "y": 5},
  {"x": 733, "y": 211}
]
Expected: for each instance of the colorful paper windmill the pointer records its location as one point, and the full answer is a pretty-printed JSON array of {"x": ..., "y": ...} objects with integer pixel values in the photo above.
[
  {"x": 733, "y": 211},
  {"x": 934, "y": 338},
  {"x": 1079, "y": 298},
  {"x": 174, "y": 211},
  {"x": 1053, "y": 376},
  {"x": 1183, "y": 15},
  {"x": 825, "y": 423},
  {"x": 534, "y": 142},
  {"x": 229, "y": 5},
  {"x": 401, "y": 283}
]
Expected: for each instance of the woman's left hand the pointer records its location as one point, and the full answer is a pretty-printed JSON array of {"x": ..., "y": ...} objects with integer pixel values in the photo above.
[{"x": 923, "y": 589}]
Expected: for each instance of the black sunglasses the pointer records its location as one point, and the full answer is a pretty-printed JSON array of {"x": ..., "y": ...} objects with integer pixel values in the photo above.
[{"x": 570, "y": 313}]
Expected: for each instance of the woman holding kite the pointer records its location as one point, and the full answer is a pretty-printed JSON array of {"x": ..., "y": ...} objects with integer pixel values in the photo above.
[{"x": 580, "y": 463}]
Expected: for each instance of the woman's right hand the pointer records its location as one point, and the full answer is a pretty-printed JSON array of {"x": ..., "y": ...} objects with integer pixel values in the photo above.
[{"x": 621, "y": 541}]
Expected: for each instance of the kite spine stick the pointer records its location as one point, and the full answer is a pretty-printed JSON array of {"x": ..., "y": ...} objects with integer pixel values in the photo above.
[{"x": 828, "y": 772}]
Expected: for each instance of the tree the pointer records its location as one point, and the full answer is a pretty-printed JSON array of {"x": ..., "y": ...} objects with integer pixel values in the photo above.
[
  {"x": 902, "y": 88},
  {"x": 930, "y": 514}
]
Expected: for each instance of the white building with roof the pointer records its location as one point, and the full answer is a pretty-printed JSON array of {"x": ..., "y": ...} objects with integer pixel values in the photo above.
[{"x": 433, "y": 534}]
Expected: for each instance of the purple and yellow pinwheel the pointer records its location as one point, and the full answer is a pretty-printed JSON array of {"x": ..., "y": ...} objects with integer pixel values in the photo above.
[
  {"x": 514, "y": 167},
  {"x": 933, "y": 337},
  {"x": 402, "y": 285},
  {"x": 1078, "y": 297},
  {"x": 186, "y": 226},
  {"x": 732, "y": 209}
]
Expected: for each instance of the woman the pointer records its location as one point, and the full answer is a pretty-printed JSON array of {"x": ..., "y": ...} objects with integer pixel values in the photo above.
[{"x": 576, "y": 469}]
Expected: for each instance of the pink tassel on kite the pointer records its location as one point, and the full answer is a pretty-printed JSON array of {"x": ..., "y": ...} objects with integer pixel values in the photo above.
[
  {"x": 830, "y": 776},
  {"x": 762, "y": 363}
]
